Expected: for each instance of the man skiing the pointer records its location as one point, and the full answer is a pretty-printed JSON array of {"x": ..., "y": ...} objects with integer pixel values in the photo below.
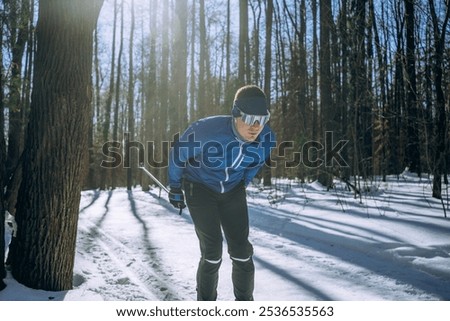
[{"x": 213, "y": 162}]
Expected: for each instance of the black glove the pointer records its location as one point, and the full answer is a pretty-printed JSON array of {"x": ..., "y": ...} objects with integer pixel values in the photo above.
[{"x": 176, "y": 198}]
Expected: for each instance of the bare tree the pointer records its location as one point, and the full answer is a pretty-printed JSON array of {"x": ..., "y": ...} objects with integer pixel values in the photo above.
[
  {"x": 150, "y": 111},
  {"x": 104, "y": 180},
  {"x": 202, "y": 83},
  {"x": 130, "y": 102},
  {"x": 267, "y": 173},
  {"x": 2, "y": 162},
  {"x": 326, "y": 101},
  {"x": 180, "y": 64},
  {"x": 243, "y": 42},
  {"x": 441, "y": 131},
  {"x": 192, "y": 82},
  {"x": 116, "y": 127},
  {"x": 412, "y": 137},
  {"x": 382, "y": 137},
  {"x": 56, "y": 145},
  {"x": 268, "y": 50}
]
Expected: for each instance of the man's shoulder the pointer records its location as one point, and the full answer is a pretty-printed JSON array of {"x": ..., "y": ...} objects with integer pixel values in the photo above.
[{"x": 217, "y": 119}]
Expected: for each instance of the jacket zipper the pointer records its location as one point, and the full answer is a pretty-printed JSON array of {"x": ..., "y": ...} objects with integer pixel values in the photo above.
[{"x": 235, "y": 164}]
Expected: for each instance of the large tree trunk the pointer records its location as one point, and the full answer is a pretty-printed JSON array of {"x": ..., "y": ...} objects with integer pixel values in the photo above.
[{"x": 56, "y": 145}]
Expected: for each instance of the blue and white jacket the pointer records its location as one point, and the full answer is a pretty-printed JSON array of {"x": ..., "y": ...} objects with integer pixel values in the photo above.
[{"x": 211, "y": 152}]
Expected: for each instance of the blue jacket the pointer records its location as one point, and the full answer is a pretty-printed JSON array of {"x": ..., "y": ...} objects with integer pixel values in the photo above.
[{"x": 209, "y": 152}]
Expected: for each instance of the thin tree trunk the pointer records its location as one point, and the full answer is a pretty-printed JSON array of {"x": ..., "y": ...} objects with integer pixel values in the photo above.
[
  {"x": 383, "y": 95},
  {"x": 2, "y": 167},
  {"x": 228, "y": 84},
  {"x": 201, "y": 102},
  {"x": 131, "y": 130},
  {"x": 192, "y": 87},
  {"x": 315, "y": 77},
  {"x": 150, "y": 114},
  {"x": 105, "y": 172},
  {"x": 254, "y": 74},
  {"x": 267, "y": 173},
  {"x": 326, "y": 101},
  {"x": 243, "y": 40},
  {"x": 92, "y": 179},
  {"x": 412, "y": 137},
  {"x": 181, "y": 62},
  {"x": 441, "y": 138},
  {"x": 116, "y": 172},
  {"x": 164, "y": 121}
]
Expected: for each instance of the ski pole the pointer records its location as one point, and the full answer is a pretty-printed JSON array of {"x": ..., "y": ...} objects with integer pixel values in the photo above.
[
  {"x": 155, "y": 179},
  {"x": 158, "y": 183}
]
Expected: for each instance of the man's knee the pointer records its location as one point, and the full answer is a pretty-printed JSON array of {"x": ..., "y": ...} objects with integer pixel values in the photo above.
[
  {"x": 241, "y": 252},
  {"x": 209, "y": 266},
  {"x": 214, "y": 262}
]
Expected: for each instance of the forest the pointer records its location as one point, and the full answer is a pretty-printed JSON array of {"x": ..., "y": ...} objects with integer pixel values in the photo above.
[{"x": 92, "y": 90}]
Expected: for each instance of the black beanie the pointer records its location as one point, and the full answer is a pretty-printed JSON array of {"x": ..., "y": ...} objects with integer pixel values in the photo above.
[
  {"x": 251, "y": 100},
  {"x": 256, "y": 105}
]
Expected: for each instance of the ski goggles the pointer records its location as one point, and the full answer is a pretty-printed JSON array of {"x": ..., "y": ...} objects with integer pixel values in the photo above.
[{"x": 250, "y": 119}]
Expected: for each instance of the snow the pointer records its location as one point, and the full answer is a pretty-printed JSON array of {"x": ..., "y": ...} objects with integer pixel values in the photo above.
[{"x": 390, "y": 244}]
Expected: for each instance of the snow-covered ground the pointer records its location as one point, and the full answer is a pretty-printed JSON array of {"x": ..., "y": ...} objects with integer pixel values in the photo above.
[{"x": 393, "y": 244}]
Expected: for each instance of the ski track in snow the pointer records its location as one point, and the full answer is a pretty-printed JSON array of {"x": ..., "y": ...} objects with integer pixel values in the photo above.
[
  {"x": 144, "y": 280},
  {"x": 352, "y": 260}
]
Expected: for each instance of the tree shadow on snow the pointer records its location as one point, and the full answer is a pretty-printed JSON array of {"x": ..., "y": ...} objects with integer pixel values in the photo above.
[{"x": 364, "y": 252}]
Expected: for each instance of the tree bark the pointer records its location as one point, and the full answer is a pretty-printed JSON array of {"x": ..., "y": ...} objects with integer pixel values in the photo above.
[
  {"x": 116, "y": 172},
  {"x": 105, "y": 180},
  {"x": 440, "y": 135},
  {"x": 130, "y": 102},
  {"x": 202, "y": 85},
  {"x": 267, "y": 173},
  {"x": 56, "y": 146},
  {"x": 412, "y": 139},
  {"x": 243, "y": 41},
  {"x": 2, "y": 169},
  {"x": 326, "y": 101},
  {"x": 181, "y": 63}
]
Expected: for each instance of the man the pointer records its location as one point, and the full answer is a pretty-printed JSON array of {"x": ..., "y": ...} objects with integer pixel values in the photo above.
[{"x": 213, "y": 161}]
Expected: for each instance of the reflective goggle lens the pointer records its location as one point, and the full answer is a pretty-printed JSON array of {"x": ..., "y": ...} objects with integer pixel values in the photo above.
[{"x": 251, "y": 120}]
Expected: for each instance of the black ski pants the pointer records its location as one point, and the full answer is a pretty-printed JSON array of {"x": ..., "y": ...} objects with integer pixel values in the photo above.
[{"x": 213, "y": 212}]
